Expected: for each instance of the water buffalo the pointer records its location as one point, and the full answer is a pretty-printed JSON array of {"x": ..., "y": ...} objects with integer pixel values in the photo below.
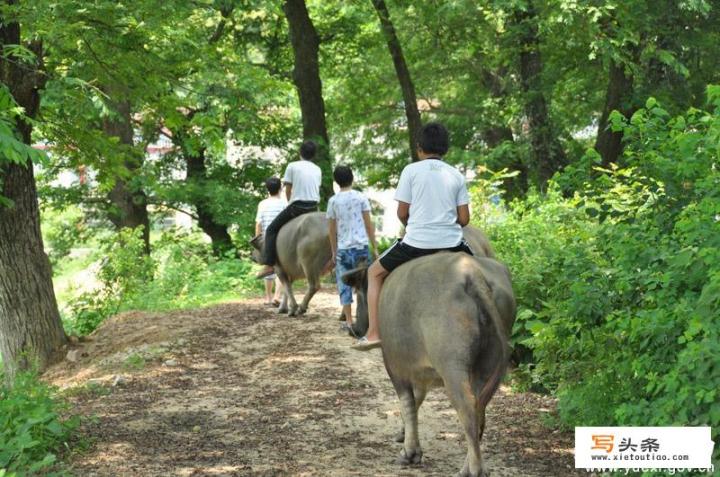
[
  {"x": 480, "y": 246},
  {"x": 303, "y": 251},
  {"x": 445, "y": 320}
]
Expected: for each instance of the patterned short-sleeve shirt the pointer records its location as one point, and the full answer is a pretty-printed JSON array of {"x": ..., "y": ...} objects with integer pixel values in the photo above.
[
  {"x": 347, "y": 208},
  {"x": 268, "y": 209}
]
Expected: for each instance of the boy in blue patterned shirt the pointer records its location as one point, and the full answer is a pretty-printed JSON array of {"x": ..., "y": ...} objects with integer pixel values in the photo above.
[{"x": 350, "y": 231}]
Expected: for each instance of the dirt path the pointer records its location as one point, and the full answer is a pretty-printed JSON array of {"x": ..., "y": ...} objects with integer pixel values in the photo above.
[{"x": 236, "y": 390}]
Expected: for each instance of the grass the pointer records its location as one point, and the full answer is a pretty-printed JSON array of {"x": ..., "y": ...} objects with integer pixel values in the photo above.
[{"x": 135, "y": 362}]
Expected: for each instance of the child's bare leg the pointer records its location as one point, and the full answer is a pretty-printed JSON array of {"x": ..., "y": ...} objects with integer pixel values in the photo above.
[
  {"x": 347, "y": 311},
  {"x": 278, "y": 287},
  {"x": 268, "y": 290},
  {"x": 376, "y": 277}
]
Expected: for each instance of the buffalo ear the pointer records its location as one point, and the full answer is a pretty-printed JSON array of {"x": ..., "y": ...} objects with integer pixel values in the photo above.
[{"x": 356, "y": 278}]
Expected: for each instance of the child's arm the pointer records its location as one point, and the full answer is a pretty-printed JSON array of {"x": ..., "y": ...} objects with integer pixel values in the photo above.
[
  {"x": 332, "y": 233},
  {"x": 370, "y": 230},
  {"x": 258, "y": 225},
  {"x": 463, "y": 215},
  {"x": 403, "y": 212},
  {"x": 463, "y": 209},
  {"x": 288, "y": 191},
  {"x": 288, "y": 181}
]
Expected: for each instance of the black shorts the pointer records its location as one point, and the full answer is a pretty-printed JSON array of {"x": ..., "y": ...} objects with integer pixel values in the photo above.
[{"x": 400, "y": 252}]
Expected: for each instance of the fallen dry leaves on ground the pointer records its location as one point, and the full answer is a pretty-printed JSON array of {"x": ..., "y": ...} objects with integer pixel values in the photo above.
[{"x": 236, "y": 390}]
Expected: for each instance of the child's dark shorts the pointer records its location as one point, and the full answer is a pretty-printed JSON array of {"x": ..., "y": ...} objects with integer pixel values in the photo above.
[{"x": 400, "y": 252}]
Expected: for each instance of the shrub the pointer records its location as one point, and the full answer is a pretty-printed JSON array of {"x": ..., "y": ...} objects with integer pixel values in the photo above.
[
  {"x": 619, "y": 286},
  {"x": 32, "y": 430},
  {"x": 63, "y": 231},
  {"x": 124, "y": 271},
  {"x": 182, "y": 272}
]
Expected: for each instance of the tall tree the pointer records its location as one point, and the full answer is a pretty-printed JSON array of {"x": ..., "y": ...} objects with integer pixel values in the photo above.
[
  {"x": 128, "y": 199},
  {"x": 617, "y": 98},
  {"x": 548, "y": 154},
  {"x": 198, "y": 182},
  {"x": 403, "y": 74},
  {"x": 306, "y": 76},
  {"x": 31, "y": 332}
]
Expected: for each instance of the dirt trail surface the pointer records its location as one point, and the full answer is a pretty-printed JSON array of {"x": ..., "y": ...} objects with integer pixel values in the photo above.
[{"x": 236, "y": 390}]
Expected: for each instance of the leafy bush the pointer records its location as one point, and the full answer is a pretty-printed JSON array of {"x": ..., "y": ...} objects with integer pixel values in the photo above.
[
  {"x": 31, "y": 427},
  {"x": 189, "y": 276},
  {"x": 124, "y": 271},
  {"x": 182, "y": 272},
  {"x": 63, "y": 231},
  {"x": 384, "y": 243},
  {"x": 619, "y": 286}
]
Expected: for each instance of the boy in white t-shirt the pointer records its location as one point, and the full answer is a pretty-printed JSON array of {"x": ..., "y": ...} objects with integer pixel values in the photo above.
[
  {"x": 350, "y": 229},
  {"x": 433, "y": 205},
  {"x": 302, "y": 188},
  {"x": 267, "y": 210}
]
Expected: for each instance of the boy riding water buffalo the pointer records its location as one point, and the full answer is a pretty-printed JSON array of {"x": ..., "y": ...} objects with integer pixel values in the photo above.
[
  {"x": 433, "y": 206},
  {"x": 302, "y": 188}
]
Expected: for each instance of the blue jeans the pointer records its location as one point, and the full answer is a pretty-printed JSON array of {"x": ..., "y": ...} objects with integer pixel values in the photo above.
[{"x": 345, "y": 260}]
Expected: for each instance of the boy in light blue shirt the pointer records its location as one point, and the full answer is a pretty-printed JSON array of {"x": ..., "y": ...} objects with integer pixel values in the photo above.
[{"x": 350, "y": 231}]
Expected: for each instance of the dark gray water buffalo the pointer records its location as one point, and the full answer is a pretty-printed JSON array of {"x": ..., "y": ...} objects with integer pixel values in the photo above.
[
  {"x": 445, "y": 320},
  {"x": 303, "y": 251}
]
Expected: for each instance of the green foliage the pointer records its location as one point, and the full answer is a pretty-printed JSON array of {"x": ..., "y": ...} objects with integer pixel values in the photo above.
[
  {"x": 383, "y": 243},
  {"x": 63, "y": 231},
  {"x": 189, "y": 276},
  {"x": 619, "y": 286},
  {"x": 32, "y": 427},
  {"x": 12, "y": 149},
  {"x": 124, "y": 271},
  {"x": 181, "y": 273}
]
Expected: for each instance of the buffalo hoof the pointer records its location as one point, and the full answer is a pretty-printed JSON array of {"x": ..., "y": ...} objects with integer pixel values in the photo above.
[
  {"x": 293, "y": 312},
  {"x": 357, "y": 332},
  {"x": 482, "y": 473},
  {"x": 399, "y": 436},
  {"x": 413, "y": 459},
  {"x": 301, "y": 311},
  {"x": 282, "y": 311},
  {"x": 466, "y": 473}
]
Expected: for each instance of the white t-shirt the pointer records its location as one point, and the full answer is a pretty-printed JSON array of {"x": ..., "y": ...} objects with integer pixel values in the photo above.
[
  {"x": 347, "y": 208},
  {"x": 305, "y": 179},
  {"x": 268, "y": 209},
  {"x": 434, "y": 190}
]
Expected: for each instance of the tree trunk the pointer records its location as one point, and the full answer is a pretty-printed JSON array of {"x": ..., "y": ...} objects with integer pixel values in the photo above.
[
  {"x": 128, "y": 199},
  {"x": 306, "y": 76},
  {"x": 196, "y": 171},
  {"x": 31, "y": 333},
  {"x": 516, "y": 186},
  {"x": 548, "y": 155},
  {"x": 618, "y": 97},
  {"x": 403, "y": 75}
]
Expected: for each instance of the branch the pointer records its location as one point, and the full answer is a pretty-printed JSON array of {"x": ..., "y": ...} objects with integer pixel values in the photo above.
[
  {"x": 225, "y": 12},
  {"x": 172, "y": 207}
]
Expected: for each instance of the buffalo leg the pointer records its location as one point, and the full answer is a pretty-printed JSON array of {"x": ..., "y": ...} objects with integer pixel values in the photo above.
[
  {"x": 287, "y": 292},
  {"x": 465, "y": 403},
  {"x": 481, "y": 423},
  {"x": 419, "y": 393},
  {"x": 411, "y": 452},
  {"x": 313, "y": 287},
  {"x": 292, "y": 304}
]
